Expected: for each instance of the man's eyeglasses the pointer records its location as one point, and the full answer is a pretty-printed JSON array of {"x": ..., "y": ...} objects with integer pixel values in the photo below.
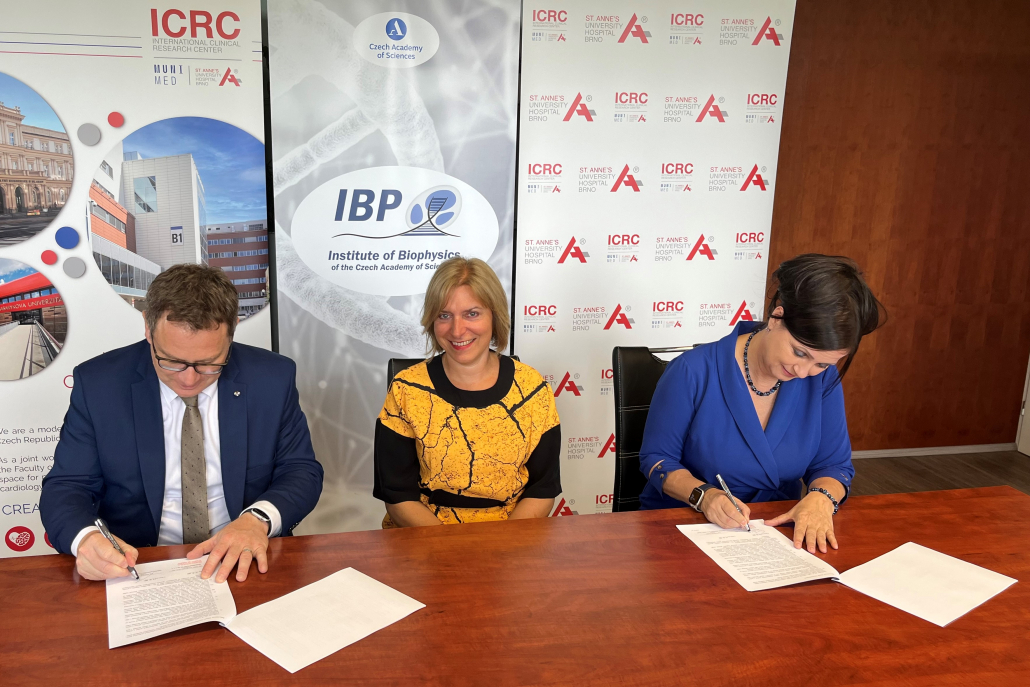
[{"x": 181, "y": 365}]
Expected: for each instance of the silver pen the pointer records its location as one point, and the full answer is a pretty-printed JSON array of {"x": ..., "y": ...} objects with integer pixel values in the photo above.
[
  {"x": 102, "y": 526},
  {"x": 747, "y": 525}
]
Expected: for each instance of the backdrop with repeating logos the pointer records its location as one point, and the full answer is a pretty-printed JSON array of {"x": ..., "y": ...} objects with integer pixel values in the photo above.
[
  {"x": 393, "y": 137},
  {"x": 648, "y": 142},
  {"x": 130, "y": 140}
]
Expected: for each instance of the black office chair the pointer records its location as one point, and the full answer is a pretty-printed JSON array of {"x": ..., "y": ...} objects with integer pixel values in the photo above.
[
  {"x": 636, "y": 371},
  {"x": 395, "y": 365}
]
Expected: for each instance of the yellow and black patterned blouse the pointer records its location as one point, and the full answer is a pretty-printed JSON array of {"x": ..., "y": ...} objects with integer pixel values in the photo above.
[{"x": 467, "y": 455}]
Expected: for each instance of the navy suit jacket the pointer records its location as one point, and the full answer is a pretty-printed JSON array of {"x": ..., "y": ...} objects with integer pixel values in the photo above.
[{"x": 110, "y": 460}]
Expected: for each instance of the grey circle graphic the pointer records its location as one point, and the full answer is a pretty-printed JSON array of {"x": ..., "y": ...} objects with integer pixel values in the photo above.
[
  {"x": 74, "y": 267},
  {"x": 89, "y": 134}
]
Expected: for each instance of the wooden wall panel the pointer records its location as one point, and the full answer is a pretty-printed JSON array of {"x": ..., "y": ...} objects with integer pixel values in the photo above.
[{"x": 906, "y": 146}]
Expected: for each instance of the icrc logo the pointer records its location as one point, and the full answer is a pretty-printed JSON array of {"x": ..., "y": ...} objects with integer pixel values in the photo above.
[
  {"x": 19, "y": 538},
  {"x": 384, "y": 230}
]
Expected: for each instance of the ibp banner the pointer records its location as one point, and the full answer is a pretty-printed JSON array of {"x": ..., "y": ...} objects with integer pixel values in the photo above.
[
  {"x": 131, "y": 139},
  {"x": 647, "y": 161},
  {"x": 393, "y": 138}
]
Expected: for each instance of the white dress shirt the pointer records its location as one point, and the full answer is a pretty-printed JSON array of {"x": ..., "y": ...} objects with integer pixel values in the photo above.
[{"x": 173, "y": 409}]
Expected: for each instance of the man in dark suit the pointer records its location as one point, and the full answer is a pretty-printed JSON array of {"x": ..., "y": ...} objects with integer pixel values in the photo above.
[{"x": 185, "y": 437}]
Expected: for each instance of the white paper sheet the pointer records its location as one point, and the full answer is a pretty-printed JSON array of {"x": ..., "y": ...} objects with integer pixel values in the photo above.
[
  {"x": 168, "y": 596},
  {"x": 315, "y": 621},
  {"x": 926, "y": 583},
  {"x": 760, "y": 559}
]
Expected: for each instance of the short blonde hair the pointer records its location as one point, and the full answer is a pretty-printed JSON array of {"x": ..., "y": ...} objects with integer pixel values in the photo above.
[{"x": 486, "y": 287}]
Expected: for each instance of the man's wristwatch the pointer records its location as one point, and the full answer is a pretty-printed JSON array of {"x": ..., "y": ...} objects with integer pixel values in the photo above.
[
  {"x": 696, "y": 496},
  {"x": 260, "y": 515}
]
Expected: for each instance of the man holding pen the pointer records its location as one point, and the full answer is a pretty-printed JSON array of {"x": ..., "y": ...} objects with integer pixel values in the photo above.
[{"x": 183, "y": 438}]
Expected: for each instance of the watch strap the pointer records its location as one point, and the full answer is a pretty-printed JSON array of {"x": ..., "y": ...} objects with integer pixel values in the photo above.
[
  {"x": 260, "y": 515},
  {"x": 703, "y": 489}
]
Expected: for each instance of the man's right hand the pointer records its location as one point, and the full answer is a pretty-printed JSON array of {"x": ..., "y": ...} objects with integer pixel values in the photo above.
[{"x": 96, "y": 559}]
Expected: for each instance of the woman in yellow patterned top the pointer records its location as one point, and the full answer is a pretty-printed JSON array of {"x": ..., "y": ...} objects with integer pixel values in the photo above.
[{"x": 469, "y": 435}]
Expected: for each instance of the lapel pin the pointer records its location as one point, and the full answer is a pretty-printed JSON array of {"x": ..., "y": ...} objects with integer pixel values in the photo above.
[{"x": 236, "y": 393}]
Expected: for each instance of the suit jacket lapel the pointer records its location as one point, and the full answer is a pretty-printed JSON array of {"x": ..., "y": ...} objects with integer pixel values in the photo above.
[
  {"x": 232, "y": 434},
  {"x": 149, "y": 426},
  {"x": 738, "y": 400}
]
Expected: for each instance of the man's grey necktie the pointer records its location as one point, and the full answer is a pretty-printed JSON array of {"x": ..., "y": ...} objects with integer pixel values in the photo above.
[{"x": 195, "y": 522}]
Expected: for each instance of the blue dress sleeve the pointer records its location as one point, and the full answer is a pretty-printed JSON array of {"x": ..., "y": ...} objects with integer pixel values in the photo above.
[
  {"x": 668, "y": 421},
  {"x": 834, "y": 456}
]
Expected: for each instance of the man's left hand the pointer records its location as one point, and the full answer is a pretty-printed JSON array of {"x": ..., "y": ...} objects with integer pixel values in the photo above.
[{"x": 243, "y": 540}]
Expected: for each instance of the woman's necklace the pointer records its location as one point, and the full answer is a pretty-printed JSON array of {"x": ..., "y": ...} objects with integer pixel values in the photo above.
[{"x": 747, "y": 371}]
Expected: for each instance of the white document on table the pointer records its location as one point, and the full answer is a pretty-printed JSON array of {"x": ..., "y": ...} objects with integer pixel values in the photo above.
[
  {"x": 760, "y": 559},
  {"x": 926, "y": 583},
  {"x": 168, "y": 596},
  {"x": 315, "y": 621}
]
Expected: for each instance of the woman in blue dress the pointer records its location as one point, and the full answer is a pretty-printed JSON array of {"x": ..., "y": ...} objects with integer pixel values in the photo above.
[{"x": 763, "y": 407}]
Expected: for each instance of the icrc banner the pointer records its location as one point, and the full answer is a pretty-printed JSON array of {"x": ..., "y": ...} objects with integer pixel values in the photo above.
[
  {"x": 130, "y": 140},
  {"x": 393, "y": 134},
  {"x": 647, "y": 162}
]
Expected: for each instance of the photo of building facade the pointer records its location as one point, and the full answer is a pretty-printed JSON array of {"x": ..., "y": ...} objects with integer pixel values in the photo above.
[
  {"x": 148, "y": 212},
  {"x": 33, "y": 321},
  {"x": 36, "y": 166},
  {"x": 241, "y": 250}
]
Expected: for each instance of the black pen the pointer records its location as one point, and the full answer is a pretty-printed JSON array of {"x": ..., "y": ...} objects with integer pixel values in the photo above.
[
  {"x": 747, "y": 525},
  {"x": 102, "y": 526}
]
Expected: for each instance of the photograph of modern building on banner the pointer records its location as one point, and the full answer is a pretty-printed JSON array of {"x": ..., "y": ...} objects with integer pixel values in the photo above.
[
  {"x": 33, "y": 321},
  {"x": 36, "y": 167},
  {"x": 150, "y": 205}
]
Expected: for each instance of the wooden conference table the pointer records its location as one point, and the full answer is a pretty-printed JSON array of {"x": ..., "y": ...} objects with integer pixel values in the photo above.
[{"x": 610, "y": 599}]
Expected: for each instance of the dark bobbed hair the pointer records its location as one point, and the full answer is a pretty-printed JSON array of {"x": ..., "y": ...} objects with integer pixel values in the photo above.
[{"x": 826, "y": 303}]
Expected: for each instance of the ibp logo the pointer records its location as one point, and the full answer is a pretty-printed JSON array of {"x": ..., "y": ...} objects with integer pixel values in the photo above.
[
  {"x": 701, "y": 247},
  {"x": 19, "y": 538},
  {"x": 767, "y": 32},
  {"x": 633, "y": 28},
  {"x": 396, "y": 29},
  {"x": 172, "y": 23},
  {"x": 619, "y": 317},
  {"x": 609, "y": 446},
  {"x": 573, "y": 251},
  {"x": 383, "y": 230},
  {"x": 568, "y": 384},
  {"x": 229, "y": 77},
  {"x": 627, "y": 180},
  {"x": 579, "y": 107},
  {"x": 743, "y": 313},
  {"x": 711, "y": 109},
  {"x": 754, "y": 179}
]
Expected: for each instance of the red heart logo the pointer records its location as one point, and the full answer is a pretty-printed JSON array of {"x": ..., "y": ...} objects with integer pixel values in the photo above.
[{"x": 19, "y": 538}]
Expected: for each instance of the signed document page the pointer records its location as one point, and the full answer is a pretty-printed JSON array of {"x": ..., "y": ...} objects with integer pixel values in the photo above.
[
  {"x": 168, "y": 596},
  {"x": 315, "y": 621},
  {"x": 760, "y": 559}
]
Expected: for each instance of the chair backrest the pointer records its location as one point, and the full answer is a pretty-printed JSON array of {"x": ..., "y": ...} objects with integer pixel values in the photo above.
[
  {"x": 395, "y": 365},
  {"x": 636, "y": 371}
]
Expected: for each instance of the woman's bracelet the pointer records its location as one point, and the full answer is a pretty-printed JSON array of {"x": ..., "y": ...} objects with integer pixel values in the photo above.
[{"x": 836, "y": 506}]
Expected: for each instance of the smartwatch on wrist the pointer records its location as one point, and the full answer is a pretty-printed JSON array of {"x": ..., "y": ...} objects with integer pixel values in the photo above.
[
  {"x": 696, "y": 496},
  {"x": 262, "y": 516}
]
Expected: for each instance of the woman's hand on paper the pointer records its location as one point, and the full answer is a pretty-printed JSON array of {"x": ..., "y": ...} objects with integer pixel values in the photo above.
[
  {"x": 813, "y": 522},
  {"x": 717, "y": 507},
  {"x": 243, "y": 540}
]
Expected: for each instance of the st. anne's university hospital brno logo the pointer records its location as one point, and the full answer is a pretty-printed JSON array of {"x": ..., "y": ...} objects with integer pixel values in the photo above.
[{"x": 383, "y": 230}]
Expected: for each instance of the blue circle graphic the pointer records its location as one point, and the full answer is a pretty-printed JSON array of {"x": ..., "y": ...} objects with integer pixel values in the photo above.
[
  {"x": 396, "y": 29},
  {"x": 67, "y": 237}
]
